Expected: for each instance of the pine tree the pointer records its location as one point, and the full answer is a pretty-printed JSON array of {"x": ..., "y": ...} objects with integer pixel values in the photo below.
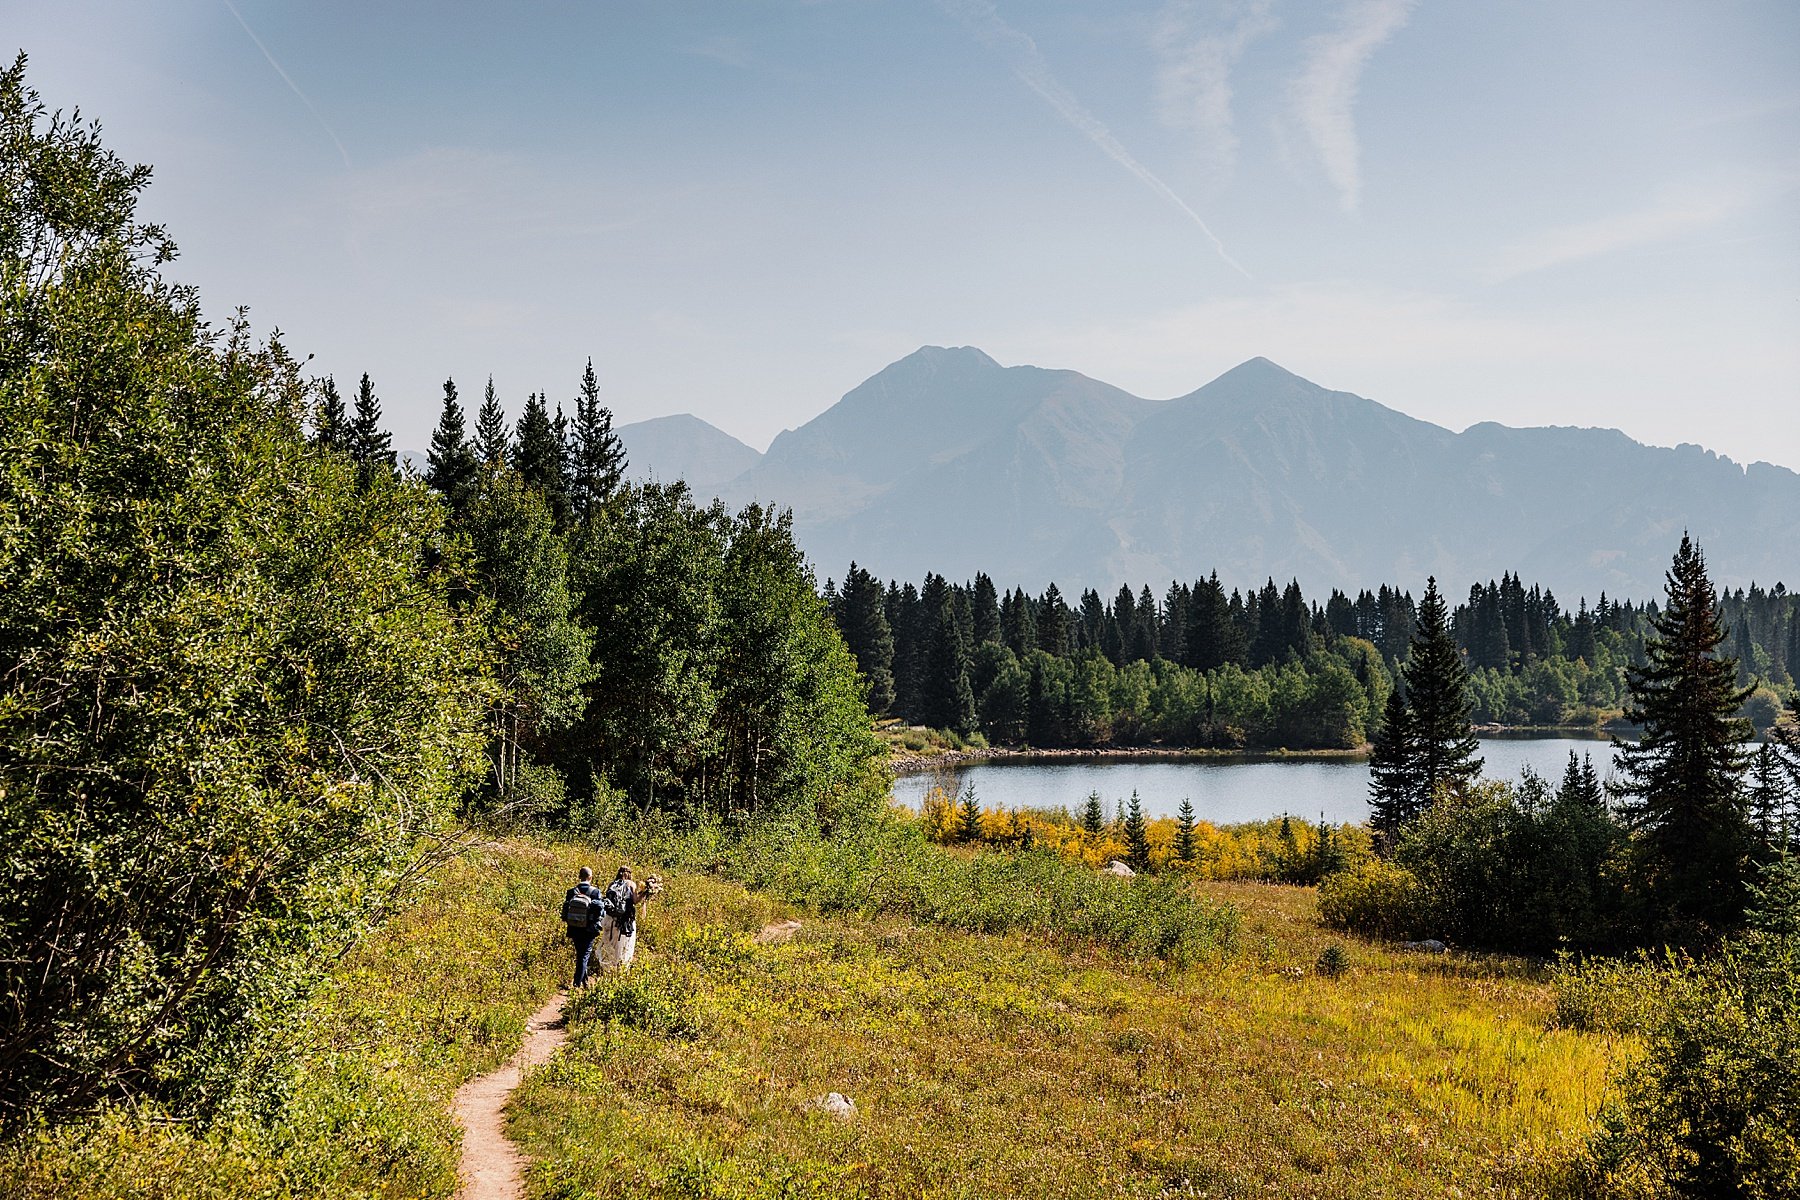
[
  {"x": 968, "y": 825},
  {"x": 450, "y": 463},
  {"x": 1395, "y": 796},
  {"x": 331, "y": 424},
  {"x": 1681, "y": 777},
  {"x": 984, "y": 602},
  {"x": 597, "y": 456},
  {"x": 1093, "y": 816},
  {"x": 537, "y": 457},
  {"x": 492, "y": 439},
  {"x": 370, "y": 444},
  {"x": 947, "y": 699},
  {"x": 1579, "y": 783},
  {"x": 1053, "y": 623},
  {"x": 1137, "y": 835},
  {"x": 1768, "y": 797},
  {"x": 1288, "y": 867},
  {"x": 1185, "y": 845},
  {"x": 1437, "y": 693},
  {"x": 863, "y": 621}
]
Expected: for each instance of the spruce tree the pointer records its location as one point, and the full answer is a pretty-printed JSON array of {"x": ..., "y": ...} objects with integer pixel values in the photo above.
[
  {"x": 331, "y": 423},
  {"x": 537, "y": 457},
  {"x": 984, "y": 602},
  {"x": 370, "y": 444},
  {"x": 450, "y": 464},
  {"x": 1137, "y": 836},
  {"x": 1579, "y": 784},
  {"x": 866, "y": 633},
  {"x": 947, "y": 698},
  {"x": 492, "y": 439},
  {"x": 1395, "y": 796},
  {"x": 1053, "y": 623},
  {"x": 968, "y": 825},
  {"x": 1768, "y": 797},
  {"x": 1093, "y": 816},
  {"x": 1680, "y": 779},
  {"x": 597, "y": 456},
  {"x": 1185, "y": 846},
  {"x": 1437, "y": 693}
]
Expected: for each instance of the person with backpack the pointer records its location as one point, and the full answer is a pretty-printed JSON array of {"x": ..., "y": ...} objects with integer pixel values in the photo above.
[
  {"x": 618, "y": 930},
  {"x": 583, "y": 908}
]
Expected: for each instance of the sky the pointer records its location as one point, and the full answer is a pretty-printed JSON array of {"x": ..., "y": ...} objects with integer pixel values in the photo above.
[{"x": 1524, "y": 211}]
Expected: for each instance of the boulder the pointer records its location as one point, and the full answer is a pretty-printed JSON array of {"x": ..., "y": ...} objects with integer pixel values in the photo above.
[
  {"x": 1119, "y": 867},
  {"x": 837, "y": 1105},
  {"x": 1428, "y": 946}
]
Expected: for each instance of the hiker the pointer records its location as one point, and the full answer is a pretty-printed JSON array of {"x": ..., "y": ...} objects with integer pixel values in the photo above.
[
  {"x": 582, "y": 908},
  {"x": 618, "y": 931}
]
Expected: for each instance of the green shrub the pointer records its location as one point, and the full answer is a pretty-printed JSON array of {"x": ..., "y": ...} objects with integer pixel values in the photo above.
[
  {"x": 1375, "y": 898},
  {"x": 1713, "y": 1107},
  {"x": 1611, "y": 995}
]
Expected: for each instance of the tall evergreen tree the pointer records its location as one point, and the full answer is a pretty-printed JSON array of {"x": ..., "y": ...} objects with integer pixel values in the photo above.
[
  {"x": 1213, "y": 638},
  {"x": 863, "y": 620},
  {"x": 537, "y": 457},
  {"x": 1579, "y": 783},
  {"x": 1137, "y": 834},
  {"x": 968, "y": 823},
  {"x": 597, "y": 456},
  {"x": 331, "y": 423},
  {"x": 1146, "y": 631},
  {"x": 1767, "y": 797},
  {"x": 984, "y": 602},
  {"x": 1053, "y": 623},
  {"x": 947, "y": 698},
  {"x": 450, "y": 464},
  {"x": 1437, "y": 693},
  {"x": 1681, "y": 777},
  {"x": 370, "y": 444},
  {"x": 905, "y": 620},
  {"x": 1185, "y": 843},
  {"x": 492, "y": 439},
  {"x": 1093, "y": 816},
  {"x": 1396, "y": 797}
]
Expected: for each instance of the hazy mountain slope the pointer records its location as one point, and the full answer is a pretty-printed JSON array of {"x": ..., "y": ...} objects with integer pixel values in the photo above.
[
  {"x": 684, "y": 447},
  {"x": 948, "y": 461}
]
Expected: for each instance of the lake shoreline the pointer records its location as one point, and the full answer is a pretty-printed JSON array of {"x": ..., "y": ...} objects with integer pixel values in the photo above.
[{"x": 913, "y": 763}]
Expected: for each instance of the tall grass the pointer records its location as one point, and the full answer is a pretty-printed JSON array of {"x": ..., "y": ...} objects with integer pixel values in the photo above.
[{"x": 888, "y": 867}]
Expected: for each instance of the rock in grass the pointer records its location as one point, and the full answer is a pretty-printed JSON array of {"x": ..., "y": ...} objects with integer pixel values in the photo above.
[
  {"x": 836, "y": 1104},
  {"x": 1119, "y": 867},
  {"x": 1428, "y": 946},
  {"x": 777, "y": 932}
]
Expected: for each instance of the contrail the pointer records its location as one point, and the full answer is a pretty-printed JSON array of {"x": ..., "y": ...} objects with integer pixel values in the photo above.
[
  {"x": 310, "y": 107},
  {"x": 1028, "y": 63}
]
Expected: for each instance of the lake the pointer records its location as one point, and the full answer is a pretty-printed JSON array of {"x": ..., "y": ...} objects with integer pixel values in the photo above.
[{"x": 1227, "y": 790}]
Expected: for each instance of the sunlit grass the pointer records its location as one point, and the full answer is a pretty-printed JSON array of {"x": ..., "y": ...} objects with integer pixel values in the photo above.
[{"x": 998, "y": 1065}]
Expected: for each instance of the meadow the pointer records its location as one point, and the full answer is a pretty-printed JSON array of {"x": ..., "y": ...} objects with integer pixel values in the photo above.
[{"x": 1018, "y": 1061}]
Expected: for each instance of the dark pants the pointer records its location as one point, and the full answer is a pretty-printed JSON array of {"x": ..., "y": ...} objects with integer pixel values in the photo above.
[{"x": 584, "y": 942}]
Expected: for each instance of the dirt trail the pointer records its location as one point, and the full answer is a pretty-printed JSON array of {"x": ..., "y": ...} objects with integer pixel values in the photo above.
[{"x": 492, "y": 1167}]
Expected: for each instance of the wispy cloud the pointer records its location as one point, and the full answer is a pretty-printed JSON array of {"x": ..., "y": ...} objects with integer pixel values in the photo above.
[
  {"x": 1325, "y": 93},
  {"x": 1029, "y": 64},
  {"x": 1676, "y": 213},
  {"x": 1197, "y": 57},
  {"x": 288, "y": 79}
]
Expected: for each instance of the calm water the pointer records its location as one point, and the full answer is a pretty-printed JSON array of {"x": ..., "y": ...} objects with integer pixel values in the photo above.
[{"x": 1225, "y": 790}]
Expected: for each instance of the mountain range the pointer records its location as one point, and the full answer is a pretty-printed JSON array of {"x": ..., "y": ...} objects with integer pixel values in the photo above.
[{"x": 947, "y": 461}]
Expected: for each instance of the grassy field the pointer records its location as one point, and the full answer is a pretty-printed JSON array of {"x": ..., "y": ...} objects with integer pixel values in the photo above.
[
  {"x": 986, "y": 1065},
  {"x": 981, "y": 1064}
]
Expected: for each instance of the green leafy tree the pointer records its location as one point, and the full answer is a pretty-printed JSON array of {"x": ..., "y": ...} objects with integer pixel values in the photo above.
[
  {"x": 451, "y": 466},
  {"x": 234, "y": 702},
  {"x": 540, "y": 651},
  {"x": 1680, "y": 779}
]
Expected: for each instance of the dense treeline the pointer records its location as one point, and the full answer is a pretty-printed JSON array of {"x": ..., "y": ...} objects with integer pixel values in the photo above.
[
  {"x": 1202, "y": 667},
  {"x": 253, "y": 676}
]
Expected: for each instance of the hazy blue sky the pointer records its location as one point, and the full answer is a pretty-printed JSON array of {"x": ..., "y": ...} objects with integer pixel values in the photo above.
[{"x": 1537, "y": 212}]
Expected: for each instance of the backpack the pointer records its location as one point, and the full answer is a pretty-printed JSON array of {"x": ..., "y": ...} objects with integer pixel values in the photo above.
[
  {"x": 581, "y": 911},
  {"x": 621, "y": 905}
]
